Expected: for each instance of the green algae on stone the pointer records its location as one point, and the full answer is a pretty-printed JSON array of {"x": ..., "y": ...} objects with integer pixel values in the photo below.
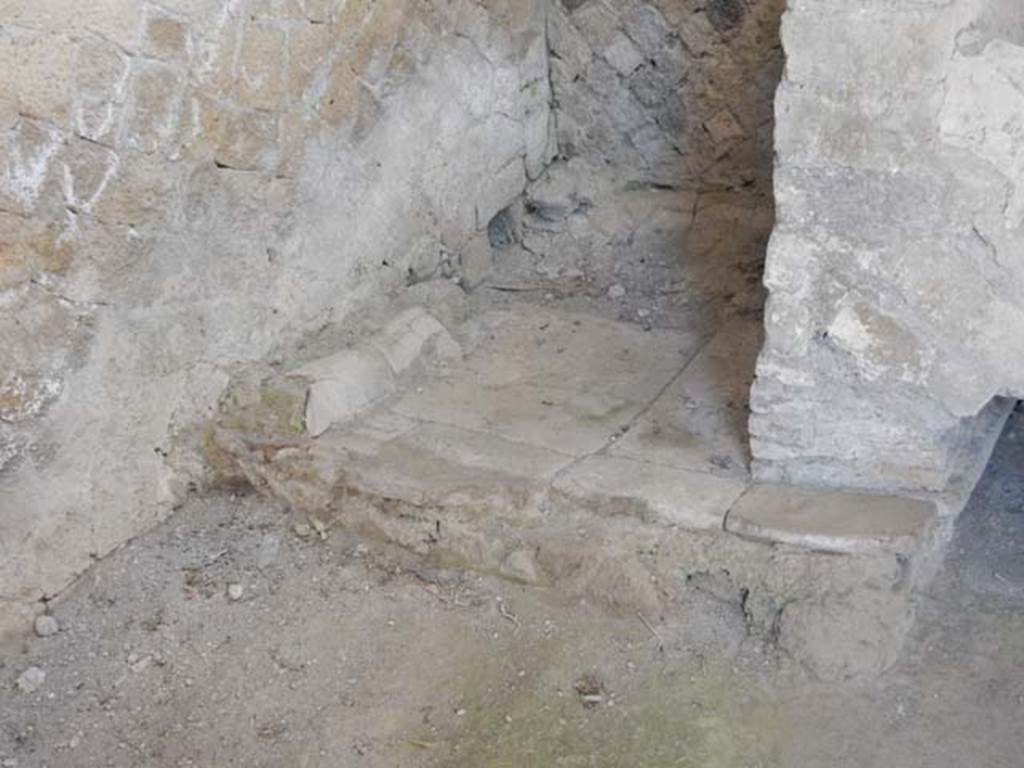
[
  {"x": 222, "y": 470},
  {"x": 278, "y": 408},
  {"x": 663, "y": 714}
]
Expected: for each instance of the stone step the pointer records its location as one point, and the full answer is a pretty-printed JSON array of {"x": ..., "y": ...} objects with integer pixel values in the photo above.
[
  {"x": 576, "y": 452},
  {"x": 833, "y": 521}
]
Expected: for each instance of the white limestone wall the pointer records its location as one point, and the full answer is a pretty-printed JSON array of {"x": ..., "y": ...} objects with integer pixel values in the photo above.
[{"x": 896, "y": 268}]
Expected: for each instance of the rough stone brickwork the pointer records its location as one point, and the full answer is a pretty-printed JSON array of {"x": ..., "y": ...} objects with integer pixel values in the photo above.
[
  {"x": 661, "y": 195},
  {"x": 672, "y": 93},
  {"x": 185, "y": 185},
  {"x": 896, "y": 269}
]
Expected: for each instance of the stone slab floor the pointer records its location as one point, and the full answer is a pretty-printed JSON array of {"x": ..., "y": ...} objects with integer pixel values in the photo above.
[
  {"x": 543, "y": 405},
  {"x": 591, "y": 406},
  {"x": 227, "y": 637}
]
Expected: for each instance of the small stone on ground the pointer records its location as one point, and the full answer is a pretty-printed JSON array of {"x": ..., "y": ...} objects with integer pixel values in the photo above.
[
  {"x": 31, "y": 680},
  {"x": 46, "y": 626}
]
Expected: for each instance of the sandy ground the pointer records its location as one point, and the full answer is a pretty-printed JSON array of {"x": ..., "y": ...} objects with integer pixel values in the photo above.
[{"x": 226, "y": 638}]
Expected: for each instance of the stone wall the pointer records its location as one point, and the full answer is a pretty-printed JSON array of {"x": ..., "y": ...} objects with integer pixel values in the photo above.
[
  {"x": 185, "y": 186},
  {"x": 661, "y": 196},
  {"x": 674, "y": 93},
  {"x": 896, "y": 269}
]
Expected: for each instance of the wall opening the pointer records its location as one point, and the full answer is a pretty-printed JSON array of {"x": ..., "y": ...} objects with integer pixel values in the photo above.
[{"x": 657, "y": 207}]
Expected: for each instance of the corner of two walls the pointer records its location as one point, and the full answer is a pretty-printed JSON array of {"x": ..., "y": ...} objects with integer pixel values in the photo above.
[
  {"x": 660, "y": 198},
  {"x": 186, "y": 186}
]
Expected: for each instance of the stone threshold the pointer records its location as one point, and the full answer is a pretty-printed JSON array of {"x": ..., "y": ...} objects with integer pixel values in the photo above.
[
  {"x": 430, "y": 465},
  {"x": 650, "y": 426}
]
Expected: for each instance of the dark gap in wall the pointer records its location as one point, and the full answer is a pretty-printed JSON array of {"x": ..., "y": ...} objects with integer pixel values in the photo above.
[
  {"x": 501, "y": 230},
  {"x": 986, "y": 551}
]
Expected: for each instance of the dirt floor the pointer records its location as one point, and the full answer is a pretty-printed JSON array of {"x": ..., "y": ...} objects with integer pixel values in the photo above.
[{"x": 228, "y": 636}]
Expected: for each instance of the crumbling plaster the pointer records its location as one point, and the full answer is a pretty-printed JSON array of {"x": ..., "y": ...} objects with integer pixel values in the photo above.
[{"x": 187, "y": 185}]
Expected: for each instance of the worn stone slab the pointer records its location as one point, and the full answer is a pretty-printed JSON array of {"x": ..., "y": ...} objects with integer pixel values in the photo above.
[
  {"x": 481, "y": 451},
  {"x": 654, "y": 492},
  {"x": 700, "y": 421},
  {"x": 560, "y": 381},
  {"x": 832, "y": 521},
  {"x": 348, "y": 382},
  {"x": 430, "y": 464},
  {"x": 343, "y": 385}
]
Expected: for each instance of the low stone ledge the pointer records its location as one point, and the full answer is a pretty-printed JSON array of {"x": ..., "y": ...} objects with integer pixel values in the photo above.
[
  {"x": 832, "y": 521},
  {"x": 652, "y": 492}
]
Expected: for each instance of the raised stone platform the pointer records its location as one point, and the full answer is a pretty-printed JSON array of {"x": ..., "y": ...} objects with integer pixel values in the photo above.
[{"x": 570, "y": 450}]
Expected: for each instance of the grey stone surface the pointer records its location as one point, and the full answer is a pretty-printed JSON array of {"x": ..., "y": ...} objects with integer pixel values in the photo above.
[
  {"x": 895, "y": 314},
  {"x": 985, "y": 551},
  {"x": 520, "y": 424},
  {"x": 559, "y": 381},
  {"x": 512, "y": 431},
  {"x": 343, "y": 385},
  {"x": 652, "y": 492},
  {"x": 699, "y": 422}
]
